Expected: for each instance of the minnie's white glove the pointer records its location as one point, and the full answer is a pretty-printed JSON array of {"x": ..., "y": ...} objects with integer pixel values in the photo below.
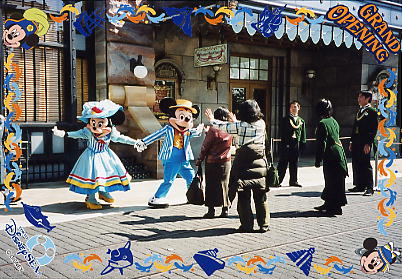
[
  {"x": 58, "y": 133},
  {"x": 140, "y": 146},
  {"x": 200, "y": 128}
]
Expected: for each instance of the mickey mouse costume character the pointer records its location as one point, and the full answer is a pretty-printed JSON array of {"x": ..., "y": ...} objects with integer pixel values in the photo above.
[
  {"x": 377, "y": 258},
  {"x": 176, "y": 151},
  {"x": 24, "y": 31},
  {"x": 98, "y": 169}
]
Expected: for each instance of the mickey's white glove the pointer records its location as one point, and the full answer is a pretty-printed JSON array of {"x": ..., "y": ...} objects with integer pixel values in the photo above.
[
  {"x": 200, "y": 128},
  {"x": 58, "y": 133},
  {"x": 140, "y": 146}
]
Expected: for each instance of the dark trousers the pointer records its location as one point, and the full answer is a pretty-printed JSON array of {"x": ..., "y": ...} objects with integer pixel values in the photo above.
[
  {"x": 288, "y": 155},
  {"x": 261, "y": 208},
  {"x": 362, "y": 169},
  {"x": 334, "y": 189}
]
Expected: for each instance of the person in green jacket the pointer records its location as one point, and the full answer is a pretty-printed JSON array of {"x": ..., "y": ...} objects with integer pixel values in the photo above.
[{"x": 329, "y": 150}]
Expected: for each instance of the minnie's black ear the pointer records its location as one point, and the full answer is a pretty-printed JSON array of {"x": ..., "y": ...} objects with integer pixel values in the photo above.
[
  {"x": 370, "y": 243},
  {"x": 118, "y": 118},
  {"x": 165, "y": 103},
  {"x": 31, "y": 40},
  {"x": 195, "y": 115}
]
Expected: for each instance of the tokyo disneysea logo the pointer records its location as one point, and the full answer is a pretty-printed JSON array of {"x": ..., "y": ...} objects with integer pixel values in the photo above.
[{"x": 18, "y": 234}]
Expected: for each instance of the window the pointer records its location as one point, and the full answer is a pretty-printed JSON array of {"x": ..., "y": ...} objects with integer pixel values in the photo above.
[
  {"x": 167, "y": 84},
  {"x": 248, "y": 68}
]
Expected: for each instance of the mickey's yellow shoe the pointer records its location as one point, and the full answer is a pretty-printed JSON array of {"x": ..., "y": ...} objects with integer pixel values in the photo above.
[{"x": 106, "y": 197}]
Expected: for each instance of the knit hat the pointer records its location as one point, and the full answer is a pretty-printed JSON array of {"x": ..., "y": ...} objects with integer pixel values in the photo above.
[{"x": 388, "y": 255}]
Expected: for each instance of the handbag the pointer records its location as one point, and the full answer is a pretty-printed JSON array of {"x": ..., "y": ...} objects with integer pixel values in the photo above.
[
  {"x": 195, "y": 193},
  {"x": 272, "y": 178}
]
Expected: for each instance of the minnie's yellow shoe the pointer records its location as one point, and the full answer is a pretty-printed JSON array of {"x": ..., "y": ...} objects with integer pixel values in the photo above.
[
  {"x": 93, "y": 205},
  {"x": 91, "y": 202},
  {"x": 106, "y": 197}
]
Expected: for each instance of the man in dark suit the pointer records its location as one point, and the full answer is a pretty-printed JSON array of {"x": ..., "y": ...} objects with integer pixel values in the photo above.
[
  {"x": 363, "y": 138},
  {"x": 293, "y": 140}
]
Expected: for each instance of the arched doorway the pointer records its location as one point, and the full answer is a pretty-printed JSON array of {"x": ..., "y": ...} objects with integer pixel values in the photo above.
[{"x": 167, "y": 84}]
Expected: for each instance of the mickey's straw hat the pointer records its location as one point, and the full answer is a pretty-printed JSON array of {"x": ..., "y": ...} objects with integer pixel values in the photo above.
[
  {"x": 181, "y": 103},
  {"x": 102, "y": 109}
]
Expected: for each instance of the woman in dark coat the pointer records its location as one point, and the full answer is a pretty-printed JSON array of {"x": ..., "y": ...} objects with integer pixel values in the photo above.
[
  {"x": 249, "y": 170},
  {"x": 216, "y": 150},
  {"x": 329, "y": 150}
]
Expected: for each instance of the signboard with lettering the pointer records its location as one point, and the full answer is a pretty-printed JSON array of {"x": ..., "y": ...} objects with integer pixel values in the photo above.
[{"x": 212, "y": 55}]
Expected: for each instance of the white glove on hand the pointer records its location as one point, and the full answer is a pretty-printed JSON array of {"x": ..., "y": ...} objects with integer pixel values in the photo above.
[
  {"x": 200, "y": 128},
  {"x": 58, "y": 133},
  {"x": 140, "y": 146}
]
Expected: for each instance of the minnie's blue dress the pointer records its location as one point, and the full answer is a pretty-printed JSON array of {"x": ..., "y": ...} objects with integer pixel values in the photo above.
[{"x": 98, "y": 168}]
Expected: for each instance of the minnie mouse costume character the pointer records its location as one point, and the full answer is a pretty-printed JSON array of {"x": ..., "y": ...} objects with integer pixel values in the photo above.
[
  {"x": 176, "y": 151},
  {"x": 98, "y": 169}
]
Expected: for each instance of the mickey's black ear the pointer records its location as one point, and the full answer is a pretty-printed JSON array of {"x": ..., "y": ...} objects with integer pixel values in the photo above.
[
  {"x": 165, "y": 103},
  {"x": 118, "y": 118},
  {"x": 195, "y": 115},
  {"x": 31, "y": 40},
  {"x": 370, "y": 243}
]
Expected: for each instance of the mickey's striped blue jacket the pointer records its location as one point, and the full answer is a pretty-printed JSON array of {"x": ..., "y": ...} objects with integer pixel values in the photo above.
[{"x": 167, "y": 146}]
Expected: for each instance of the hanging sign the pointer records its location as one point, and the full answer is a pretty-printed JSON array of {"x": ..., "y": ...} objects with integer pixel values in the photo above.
[{"x": 212, "y": 55}]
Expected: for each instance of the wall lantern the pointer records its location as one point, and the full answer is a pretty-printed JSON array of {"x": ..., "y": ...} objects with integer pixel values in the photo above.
[
  {"x": 212, "y": 81},
  {"x": 310, "y": 74},
  {"x": 136, "y": 66}
]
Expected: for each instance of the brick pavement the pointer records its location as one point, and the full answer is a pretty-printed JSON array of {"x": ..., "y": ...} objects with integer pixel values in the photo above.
[{"x": 180, "y": 230}]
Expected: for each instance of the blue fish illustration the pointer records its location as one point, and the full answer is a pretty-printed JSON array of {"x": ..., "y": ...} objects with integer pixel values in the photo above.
[
  {"x": 17, "y": 131},
  {"x": 391, "y": 78},
  {"x": 7, "y": 161},
  {"x": 343, "y": 270},
  {"x": 381, "y": 148},
  {"x": 35, "y": 216},
  {"x": 380, "y": 227},
  {"x": 153, "y": 258},
  {"x": 244, "y": 10},
  {"x": 392, "y": 197},
  {"x": 235, "y": 259},
  {"x": 204, "y": 11},
  {"x": 392, "y": 118},
  {"x": 391, "y": 157},
  {"x": 8, "y": 200},
  {"x": 143, "y": 268},
  {"x": 8, "y": 120},
  {"x": 7, "y": 81},
  {"x": 265, "y": 270},
  {"x": 183, "y": 267},
  {"x": 381, "y": 107},
  {"x": 156, "y": 19},
  {"x": 276, "y": 259},
  {"x": 316, "y": 21},
  {"x": 119, "y": 259},
  {"x": 17, "y": 172},
  {"x": 116, "y": 18},
  {"x": 72, "y": 257},
  {"x": 126, "y": 8}
]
